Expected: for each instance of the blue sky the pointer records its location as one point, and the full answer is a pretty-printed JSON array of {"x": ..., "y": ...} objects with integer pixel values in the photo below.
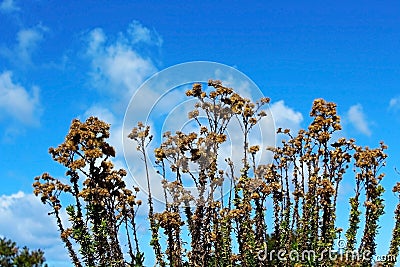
[{"x": 59, "y": 61}]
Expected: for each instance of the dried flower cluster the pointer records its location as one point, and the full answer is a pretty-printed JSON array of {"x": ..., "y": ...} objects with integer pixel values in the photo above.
[{"x": 102, "y": 204}]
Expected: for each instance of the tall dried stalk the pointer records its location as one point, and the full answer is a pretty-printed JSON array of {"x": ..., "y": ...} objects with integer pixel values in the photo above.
[{"x": 101, "y": 202}]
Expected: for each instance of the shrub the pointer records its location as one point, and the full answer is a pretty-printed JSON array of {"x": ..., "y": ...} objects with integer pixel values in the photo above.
[{"x": 11, "y": 255}]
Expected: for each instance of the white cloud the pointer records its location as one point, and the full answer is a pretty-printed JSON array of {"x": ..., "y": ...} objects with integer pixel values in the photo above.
[
  {"x": 357, "y": 119},
  {"x": 139, "y": 34},
  {"x": 118, "y": 68},
  {"x": 100, "y": 112},
  {"x": 16, "y": 102},
  {"x": 28, "y": 40},
  {"x": 394, "y": 103},
  {"x": 286, "y": 117},
  {"x": 25, "y": 220},
  {"x": 8, "y": 6},
  {"x": 96, "y": 40}
]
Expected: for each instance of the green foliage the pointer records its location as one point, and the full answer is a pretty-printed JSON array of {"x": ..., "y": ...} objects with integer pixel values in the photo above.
[{"x": 12, "y": 256}]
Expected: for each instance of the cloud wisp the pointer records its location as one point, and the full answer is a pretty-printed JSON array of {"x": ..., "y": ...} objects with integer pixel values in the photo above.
[
  {"x": 17, "y": 103},
  {"x": 358, "y": 119},
  {"x": 27, "y": 42},
  {"x": 286, "y": 117},
  {"x": 118, "y": 66},
  {"x": 8, "y": 6},
  {"x": 394, "y": 103}
]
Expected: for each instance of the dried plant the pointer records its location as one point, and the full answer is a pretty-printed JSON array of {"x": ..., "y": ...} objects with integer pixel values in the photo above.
[
  {"x": 102, "y": 207},
  {"x": 236, "y": 213},
  {"x": 395, "y": 242}
]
